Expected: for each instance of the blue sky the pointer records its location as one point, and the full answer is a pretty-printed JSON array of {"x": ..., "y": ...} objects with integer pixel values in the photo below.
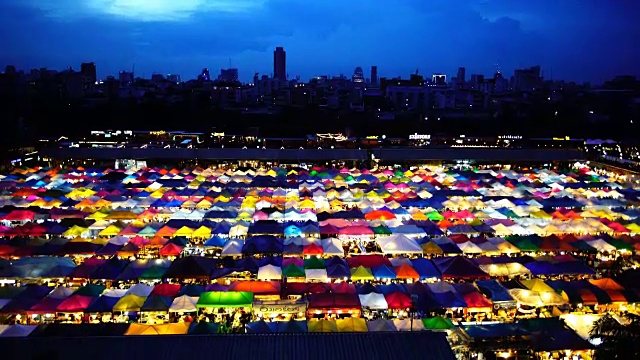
[{"x": 581, "y": 40}]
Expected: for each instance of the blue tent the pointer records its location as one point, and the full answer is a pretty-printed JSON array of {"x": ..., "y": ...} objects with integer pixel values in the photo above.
[{"x": 425, "y": 268}]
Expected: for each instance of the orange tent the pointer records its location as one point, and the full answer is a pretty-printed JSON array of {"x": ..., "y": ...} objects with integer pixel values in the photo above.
[{"x": 406, "y": 272}]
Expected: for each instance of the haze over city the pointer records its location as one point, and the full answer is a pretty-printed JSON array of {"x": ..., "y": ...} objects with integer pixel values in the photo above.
[{"x": 583, "y": 41}]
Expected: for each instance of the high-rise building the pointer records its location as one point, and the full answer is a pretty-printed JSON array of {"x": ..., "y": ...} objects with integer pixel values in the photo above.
[
  {"x": 280, "y": 64},
  {"x": 174, "y": 78},
  {"x": 125, "y": 78},
  {"x": 205, "y": 74},
  {"x": 527, "y": 79},
  {"x": 89, "y": 72},
  {"x": 358, "y": 76},
  {"x": 461, "y": 77},
  {"x": 228, "y": 75},
  {"x": 374, "y": 75},
  {"x": 439, "y": 79}
]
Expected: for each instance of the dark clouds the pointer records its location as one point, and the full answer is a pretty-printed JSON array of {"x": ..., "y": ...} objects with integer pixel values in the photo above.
[{"x": 579, "y": 40}]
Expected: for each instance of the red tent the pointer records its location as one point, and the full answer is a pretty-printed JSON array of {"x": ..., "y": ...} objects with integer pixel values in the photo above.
[
  {"x": 368, "y": 261},
  {"x": 331, "y": 301},
  {"x": 477, "y": 300},
  {"x": 305, "y": 288},
  {"x": 170, "y": 290},
  {"x": 313, "y": 249},
  {"x": 343, "y": 288},
  {"x": 170, "y": 249},
  {"x": 19, "y": 215},
  {"x": 398, "y": 300},
  {"x": 257, "y": 287},
  {"x": 74, "y": 303}
]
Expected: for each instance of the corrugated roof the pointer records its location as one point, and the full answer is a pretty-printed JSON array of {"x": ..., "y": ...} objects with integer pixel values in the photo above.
[{"x": 353, "y": 346}]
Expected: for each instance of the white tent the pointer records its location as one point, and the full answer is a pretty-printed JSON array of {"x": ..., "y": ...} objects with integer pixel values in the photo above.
[
  {"x": 398, "y": 244},
  {"x": 140, "y": 290},
  {"x": 468, "y": 247},
  {"x": 117, "y": 293},
  {"x": 239, "y": 230},
  {"x": 601, "y": 245},
  {"x": 508, "y": 269},
  {"x": 233, "y": 247},
  {"x": 61, "y": 292},
  {"x": 184, "y": 303},
  {"x": 408, "y": 324},
  {"x": 119, "y": 240},
  {"x": 581, "y": 323},
  {"x": 332, "y": 246},
  {"x": 537, "y": 298},
  {"x": 18, "y": 330},
  {"x": 269, "y": 272},
  {"x": 373, "y": 301},
  {"x": 316, "y": 274},
  {"x": 381, "y": 325},
  {"x": 399, "y": 261},
  {"x": 488, "y": 247}
]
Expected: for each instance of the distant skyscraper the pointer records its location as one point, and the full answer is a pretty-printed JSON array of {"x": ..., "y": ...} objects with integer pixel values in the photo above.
[
  {"x": 358, "y": 76},
  {"x": 374, "y": 75},
  {"x": 527, "y": 79},
  {"x": 439, "y": 79},
  {"x": 125, "y": 78},
  {"x": 174, "y": 78},
  {"x": 461, "y": 76},
  {"x": 89, "y": 73},
  {"x": 228, "y": 75},
  {"x": 280, "y": 64},
  {"x": 205, "y": 74}
]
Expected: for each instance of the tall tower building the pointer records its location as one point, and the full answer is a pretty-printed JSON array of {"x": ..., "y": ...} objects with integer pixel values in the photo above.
[
  {"x": 374, "y": 75},
  {"x": 205, "y": 74},
  {"x": 358, "y": 76},
  {"x": 280, "y": 64},
  {"x": 89, "y": 72},
  {"x": 461, "y": 75}
]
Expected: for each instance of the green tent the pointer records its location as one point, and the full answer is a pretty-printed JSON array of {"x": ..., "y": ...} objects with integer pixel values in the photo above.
[
  {"x": 90, "y": 290},
  {"x": 620, "y": 244},
  {"x": 381, "y": 230},
  {"x": 314, "y": 263},
  {"x": 154, "y": 272},
  {"x": 292, "y": 270},
  {"x": 225, "y": 299},
  {"x": 9, "y": 292},
  {"x": 437, "y": 323},
  {"x": 434, "y": 216},
  {"x": 524, "y": 244}
]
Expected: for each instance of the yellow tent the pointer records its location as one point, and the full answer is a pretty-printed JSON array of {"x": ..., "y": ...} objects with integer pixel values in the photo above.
[
  {"x": 324, "y": 326},
  {"x": 204, "y": 204},
  {"x": 129, "y": 303},
  {"x": 202, "y": 232},
  {"x": 110, "y": 231},
  {"x": 431, "y": 248},
  {"x": 75, "y": 231},
  {"x": 160, "y": 329},
  {"x": 634, "y": 228},
  {"x": 98, "y": 215},
  {"x": 541, "y": 215},
  {"x": 184, "y": 231},
  {"x": 418, "y": 216},
  {"x": 122, "y": 215},
  {"x": 536, "y": 285},
  {"x": 189, "y": 204},
  {"x": 351, "y": 325}
]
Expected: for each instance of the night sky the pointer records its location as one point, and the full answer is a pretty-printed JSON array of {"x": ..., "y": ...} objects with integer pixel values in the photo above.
[{"x": 580, "y": 40}]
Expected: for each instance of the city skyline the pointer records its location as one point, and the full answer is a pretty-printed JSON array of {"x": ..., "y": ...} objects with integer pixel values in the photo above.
[{"x": 435, "y": 37}]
